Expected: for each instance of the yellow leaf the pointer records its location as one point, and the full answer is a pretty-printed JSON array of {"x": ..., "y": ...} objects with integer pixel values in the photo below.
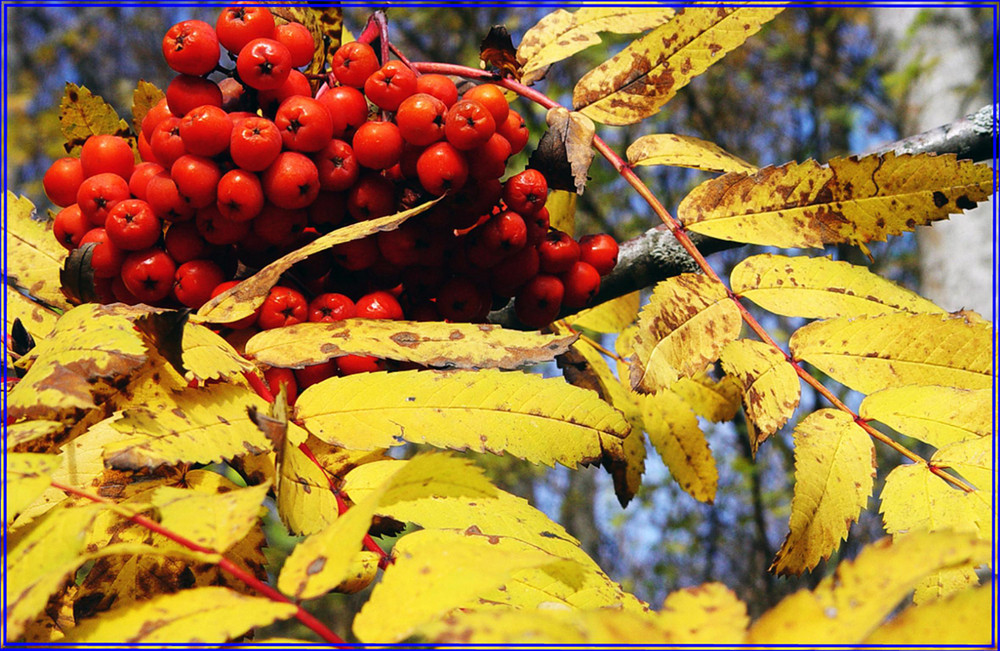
[
  {"x": 674, "y": 432},
  {"x": 241, "y": 301},
  {"x": 438, "y": 570},
  {"x": 28, "y": 475},
  {"x": 845, "y": 608},
  {"x": 83, "y": 114},
  {"x": 709, "y": 613},
  {"x": 714, "y": 400},
  {"x": 933, "y": 414},
  {"x": 145, "y": 97},
  {"x": 869, "y": 354},
  {"x": 213, "y": 520},
  {"x": 688, "y": 320},
  {"x": 561, "y": 205},
  {"x": 90, "y": 347},
  {"x": 562, "y": 34},
  {"x": 851, "y": 200},
  {"x": 821, "y": 288},
  {"x": 611, "y": 316},
  {"x": 33, "y": 255},
  {"x": 769, "y": 385},
  {"x": 973, "y": 459},
  {"x": 203, "y": 425},
  {"x": 533, "y": 418},
  {"x": 207, "y": 356},
  {"x": 684, "y": 151},
  {"x": 606, "y": 627},
  {"x": 202, "y": 615},
  {"x": 834, "y": 474},
  {"x": 304, "y": 499},
  {"x": 963, "y": 619},
  {"x": 438, "y": 344},
  {"x": 322, "y": 561},
  {"x": 36, "y": 318},
  {"x": 39, "y": 433},
  {"x": 325, "y": 24},
  {"x": 636, "y": 82}
]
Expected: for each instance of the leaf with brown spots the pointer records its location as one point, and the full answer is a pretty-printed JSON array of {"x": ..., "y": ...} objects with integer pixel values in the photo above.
[
  {"x": 564, "y": 153},
  {"x": 34, "y": 257},
  {"x": 28, "y": 475},
  {"x": 834, "y": 476},
  {"x": 611, "y": 316},
  {"x": 83, "y": 114},
  {"x": 936, "y": 415},
  {"x": 768, "y": 383},
  {"x": 561, "y": 34},
  {"x": 530, "y": 417},
  {"x": 36, "y": 320},
  {"x": 714, "y": 400},
  {"x": 852, "y": 602},
  {"x": 243, "y": 299},
  {"x": 821, "y": 288},
  {"x": 216, "y": 519},
  {"x": 851, "y": 200},
  {"x": 201, "y": 615},
  {"x": 684, "y": 151},
  {"x": 435, "y": 344},
  {"x": 688, "y": 320},
  {"x": 201, "y": 425},
  {"x": 207, "y": 356},
  {"x": 436, "y": 571},
  {"x": 323, "y": 560},
  {"x": 144, "y": 97},
  {"x": 869, "y": 354},
  {"x": 673, "y": 430},
  {"x": 640, "y": 79},
  {"x": 706, "y": 614},
  {"x": 326, "y": 26}
]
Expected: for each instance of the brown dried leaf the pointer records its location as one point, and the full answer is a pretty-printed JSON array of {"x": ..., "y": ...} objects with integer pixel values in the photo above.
[
  {"x": 564, "y": 153},
  {"x": 497, "y": 51}
]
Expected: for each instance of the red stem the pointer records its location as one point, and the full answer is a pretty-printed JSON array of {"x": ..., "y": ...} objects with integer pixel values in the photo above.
[
  {"x": 307, "y": 619},
  {"x": 680, "y": 233}
]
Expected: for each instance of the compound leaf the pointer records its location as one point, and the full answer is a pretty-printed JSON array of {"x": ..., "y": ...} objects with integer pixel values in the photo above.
[
  {"x": 834, "y": 474},
  {"x": 534, "y": 418},
  {"x": 687, "y": 321},
  {"x": 820, "y": 288},
  {"x": 636, "y": 82},
  {"x": 933, "y": 414},
  {"x": 769, "y": 385},
  {"x": 869, "y": 354},
  {"x": 850, "y": 200}
]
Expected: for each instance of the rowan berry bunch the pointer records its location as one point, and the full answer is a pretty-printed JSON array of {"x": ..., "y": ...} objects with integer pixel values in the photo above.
[{"x": 241, "y": 165}]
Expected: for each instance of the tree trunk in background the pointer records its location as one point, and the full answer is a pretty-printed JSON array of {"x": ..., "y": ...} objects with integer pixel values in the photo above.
[{"x": 956, "y": 256}]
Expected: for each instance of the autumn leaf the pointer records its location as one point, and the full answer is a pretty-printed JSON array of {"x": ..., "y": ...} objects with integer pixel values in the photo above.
[
  {"x": 637, "y": 81},
  {"x": 610, "y": 316},
  {"x": 561, "y": 205},
  {"x": 83, "y": 114},
  {"x": 435, "y": 571},
  {"x": 684, "y": 151},
  {"x": 33, "y": 255},
  {"x": 967, "y": 614},
  {"x": 821, "y": 288},
  {"x": 533, "y": 418},
  {"x": 834, "y": 474},
  {"x": 207, "y": 356},
  {"x": 20, "y": 436},
  {"x": 564, "y": 152},
  {"x": 850, "y": 200},
  {"x": 933, "y": 414},
  {"x": 561, "y": 34},
  {"x": 846, "y": 607},
  {"x": 552, "y": 625},
  {"x": 714, "y": 400},
  {"x": 435, "y": 344},
  {"x": 868, "y": 354},
  {"x": 973, "y": 459},
  {"x": 325, "y": 24},
  {"x": 202, "y": 615},
  {"x": 709, "y": 613},
  {"x": 687, "y": 321},
  {"x": 674, "y": 432},
  {"x": 27, "y": 477},
  {"x": 36, "y": 319},
  {"x": 144, "y": 98},
  {"x": 768, "y": 383},
  {"x": 213, "y": 520},
  {"x": 241, "y": 301}
]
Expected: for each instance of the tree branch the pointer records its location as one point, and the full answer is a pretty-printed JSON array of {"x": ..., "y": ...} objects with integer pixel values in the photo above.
[{"x": 656, "y": 255}]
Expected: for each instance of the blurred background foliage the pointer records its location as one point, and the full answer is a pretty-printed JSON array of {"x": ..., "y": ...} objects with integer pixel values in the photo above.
[{"x": 815, "y": 83}]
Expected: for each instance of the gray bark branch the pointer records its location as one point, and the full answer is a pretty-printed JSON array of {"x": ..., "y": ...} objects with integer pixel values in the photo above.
[{"x": 656, "y": 255}]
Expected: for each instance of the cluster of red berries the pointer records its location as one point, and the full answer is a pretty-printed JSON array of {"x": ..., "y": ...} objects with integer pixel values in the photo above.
[{"x": 239, "y": 171}]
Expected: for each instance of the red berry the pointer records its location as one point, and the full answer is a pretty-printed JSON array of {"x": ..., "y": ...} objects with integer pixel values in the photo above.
[
  {"x": 468, "y": 124},
  {"x": 277, "y": 377},
  {"x": 279, "y": 226},
  {"x": 510, "y": 274},
  {"x": 191, "y": 47},
  {"x": 581, "y": 282},
  {"x": 206, "y": 130},
  {"x": 489, "y": 160},
  {"x": 330, "y": 307},
  {"x": 504, "y": 232},
  {"x": 264, "y": 64},
  {"x": 353, "y": 63},
  {"x": 515, "y": 131},
  {"x": 237, "y": 26},
  {"x": 184, "y": 242},
  {"x": 439, "y": 86},
  {"x": 254, "y": 143},
  {"x": 70, "y": 225},
  {"x": 347, "y": 107},
  {"x": 378, "y": 305},
  {"x": 299, "y": 41},
  {"x": 373, "y": 196},
  {"x": 388, "y": 86},
  {"x": 131, "y": 225},
  {"x": 282, "y": 307},
  {"x": 599, "y": 251},
  {"x": 442, "y": 167},
  {"x": 304, "y": 124},
  {"x": 352, "y": 364},
  {"x": 377, "y": 145},
  {"x": 491, "y": 96},
  {"x": 291, "y": 181},
  {"x": 307, "y": 376},
  {"x": 166, "y": 201},
  {"x": 240, "y": 195},
  {"x": 337, "y": 166},
  {"x": 421, "y": 119},
  {"x": 197, "y": 179},
  {"x": 105, "y": 153},
  {"x": 62, "y": 181},
  {"x": 195, "y": 280},
  {"x": 99, "y": 194},
  {"x": 166, "y": 143},
  {"x": 186, "y": 93},
  {"x": 154, "y": 116},
  {"x": 356, "y": 254},
  {"x": 464, "y": 300},
  {"x": 148, "y": 275},
  {"x": 537, "y": 303},
  {"x": 141, "y": 175},
  {"x": 296, "y": 85},
  {"x": 557, "y": 252},
  {"x": 526, "y": 192}
]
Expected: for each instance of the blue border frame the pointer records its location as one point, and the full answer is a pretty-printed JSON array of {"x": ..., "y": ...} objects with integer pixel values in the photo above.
[{"x": 465, "y": 4}]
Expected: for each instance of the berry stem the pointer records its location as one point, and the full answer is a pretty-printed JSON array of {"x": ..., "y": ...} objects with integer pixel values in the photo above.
[
  {"x": 680, "y": 234},
  {"x": 228, "y": 566}
]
